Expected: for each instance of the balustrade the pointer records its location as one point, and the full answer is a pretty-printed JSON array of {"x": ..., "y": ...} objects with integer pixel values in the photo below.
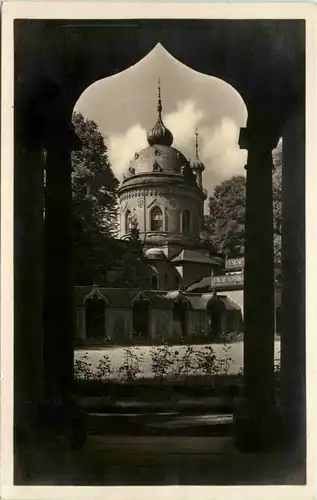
[{"x": 230, "y": 279}]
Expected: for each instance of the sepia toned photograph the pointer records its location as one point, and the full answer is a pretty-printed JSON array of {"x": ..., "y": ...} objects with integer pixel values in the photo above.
[{"x": 159, "y": 251}]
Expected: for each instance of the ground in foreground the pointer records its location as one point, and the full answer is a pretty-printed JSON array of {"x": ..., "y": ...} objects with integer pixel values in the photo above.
[{"x": 136, "y": 460}]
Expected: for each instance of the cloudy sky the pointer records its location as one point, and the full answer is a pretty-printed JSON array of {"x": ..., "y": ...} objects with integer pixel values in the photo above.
[{"x": 124, "y": 107}]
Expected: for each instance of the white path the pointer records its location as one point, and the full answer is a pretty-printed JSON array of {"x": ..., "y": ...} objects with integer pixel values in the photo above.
[{"x": 116, "y": 355}]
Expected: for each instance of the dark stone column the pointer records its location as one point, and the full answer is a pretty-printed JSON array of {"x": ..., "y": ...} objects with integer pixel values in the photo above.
[
  {"x": 58, "y": 285},
  {"x": 255, "y": 421},
  {"x": 58, "y": 292},
  {"x": 293, "y": 282},
  {"x": 28, "y": 281}
]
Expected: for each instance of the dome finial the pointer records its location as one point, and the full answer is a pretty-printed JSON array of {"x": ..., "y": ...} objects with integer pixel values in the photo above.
[
  {"x": 197, "y": 165},
  {"x": 159, "y": 101},
  {"x": 159, "y": 134},
  {"x": 197, "y": 146}
]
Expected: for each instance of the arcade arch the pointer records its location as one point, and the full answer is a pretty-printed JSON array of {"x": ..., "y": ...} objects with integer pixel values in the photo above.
[
  {"x": 277, "y": 106},
  {"x": 96, "y": 315},
  {"x": 141, "y": 316}
]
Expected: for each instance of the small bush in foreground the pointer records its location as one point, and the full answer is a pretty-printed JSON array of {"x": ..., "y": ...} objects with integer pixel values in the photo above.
[
  {"x": 82, "y": 368},
  {"x": 206, "y": 361},
  {"x": 186, "y": 364},
  {"x": 222, "y": 365},
  {"x": 103, "y": 369},
  {"x": 131, "y": 367},
  {"x": 162, "y": 359}
]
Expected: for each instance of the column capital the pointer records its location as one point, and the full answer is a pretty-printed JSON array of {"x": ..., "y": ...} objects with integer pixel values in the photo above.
[
  {"x": 261, "y": 138},
  {"x": 61, "y": 138}
]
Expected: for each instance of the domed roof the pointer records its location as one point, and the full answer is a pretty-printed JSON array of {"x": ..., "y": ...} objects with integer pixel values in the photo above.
[
  {"x": 159, "y": 134},
  {"x": 197, "y": 165},
  {"x": 155, "y": 253},
  {"x": 159, "y": 159}
]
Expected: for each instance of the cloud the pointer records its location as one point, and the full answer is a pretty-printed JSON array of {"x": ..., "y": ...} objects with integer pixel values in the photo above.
[
  {"x": 183, "y": 123},
  {"x": 220, "y": 151},
  {"x": 218, "y": 143},
  {"x": 121, "y": 148}
]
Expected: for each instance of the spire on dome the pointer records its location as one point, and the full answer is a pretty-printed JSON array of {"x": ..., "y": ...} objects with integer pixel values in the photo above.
[
  {"x": 197, "y": 165},
  {"x": 196, "y": 134},
  {"x": 159, "y": 101},
  {"x": 159, "y": 134}
]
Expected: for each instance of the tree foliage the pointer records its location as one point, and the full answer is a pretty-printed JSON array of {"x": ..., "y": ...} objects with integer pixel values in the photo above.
[
  {"x": 98, "y": 253},
  {"x": 134, "y": 269},
  {"x": 277, "y": 198},
  {"x": 225, "y": 222},
  {"x": 94, "y": 203},
  {"x": 224, "y": 225}
]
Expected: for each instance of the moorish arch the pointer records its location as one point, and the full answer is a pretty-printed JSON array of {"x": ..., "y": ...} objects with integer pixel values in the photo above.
[
  {"x": 96, "y": 304},
  {"x": 156, "y": 219},
  {"x": 186, "y": 221},
  {"x": 127, "y": 220},
  {"x": 50, "y": 77},
  {"x": 141, "y": 316},
  {"x": 181, "y": 306},
  {"x": 215, "y": 310},
  {"x": 154, "y": 282},
  {"x": 95, "y": 53}
]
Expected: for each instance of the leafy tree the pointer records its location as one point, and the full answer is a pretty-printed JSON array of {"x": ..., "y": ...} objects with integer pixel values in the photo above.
[
  {"x": 225, "y": 222},
  {"x": 95, "y": 203},
  {"x": 134, "y": 270},
  {"x": 277, "y": 198},
  {"x": 224, "y": 226}
]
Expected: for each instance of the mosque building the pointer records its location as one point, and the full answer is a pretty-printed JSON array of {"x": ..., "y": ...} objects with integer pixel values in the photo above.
[{"x": 189, "y": 292}]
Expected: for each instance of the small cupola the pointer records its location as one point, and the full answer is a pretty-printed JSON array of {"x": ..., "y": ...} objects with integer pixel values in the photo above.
[{"x": 159, "y": 134}]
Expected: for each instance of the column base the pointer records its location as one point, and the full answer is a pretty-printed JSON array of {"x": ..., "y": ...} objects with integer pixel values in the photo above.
[
  {"x": 45, "y": 432},
  {"x": 294, "y": 431},
  {"x": 62, "y": 422},
  {"x": 256, "y": 430}
]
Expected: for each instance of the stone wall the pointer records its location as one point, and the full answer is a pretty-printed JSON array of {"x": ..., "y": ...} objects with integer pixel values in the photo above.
[{"x": 140, "y": 202}]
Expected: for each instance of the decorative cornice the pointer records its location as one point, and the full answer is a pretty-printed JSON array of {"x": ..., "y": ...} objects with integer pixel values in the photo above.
[
  {"x": 163, "y": 190},
  {"x": 96, "y": 294},
  {"x": 235, "y": 263}
]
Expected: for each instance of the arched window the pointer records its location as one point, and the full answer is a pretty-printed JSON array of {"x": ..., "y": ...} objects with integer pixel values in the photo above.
[
  {"x": 156, "y": 217},
  {"x": 95, "y": 312},
  {"x": 128, "y": 219},
  {"x": 185, "y": 222},
  {"x": 177, "y": 282},
  {"x": 154, "y": 282},
  {"x": 141, "y": 317},
  {"x": 215, "y": 310},
  {"x": 179, "y": 315}
]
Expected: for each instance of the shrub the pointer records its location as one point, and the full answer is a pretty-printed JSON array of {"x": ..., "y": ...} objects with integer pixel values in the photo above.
[
  {"x": 206, "y": 361},
  {"x": 277, "y": 367},
  {"x": 230, "y": 337},
  {"x": 187, "y": 363},
  {"x": 240, "y": 376},
  {"x": 103, "y": 369},
  {"x": 162, "y": 359},
  {"x": 222, "y": 365},
  {"x": 132, "y": 364},
  {"x": 277, "y": 362},
  {"x": 82, "y": 368}
]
